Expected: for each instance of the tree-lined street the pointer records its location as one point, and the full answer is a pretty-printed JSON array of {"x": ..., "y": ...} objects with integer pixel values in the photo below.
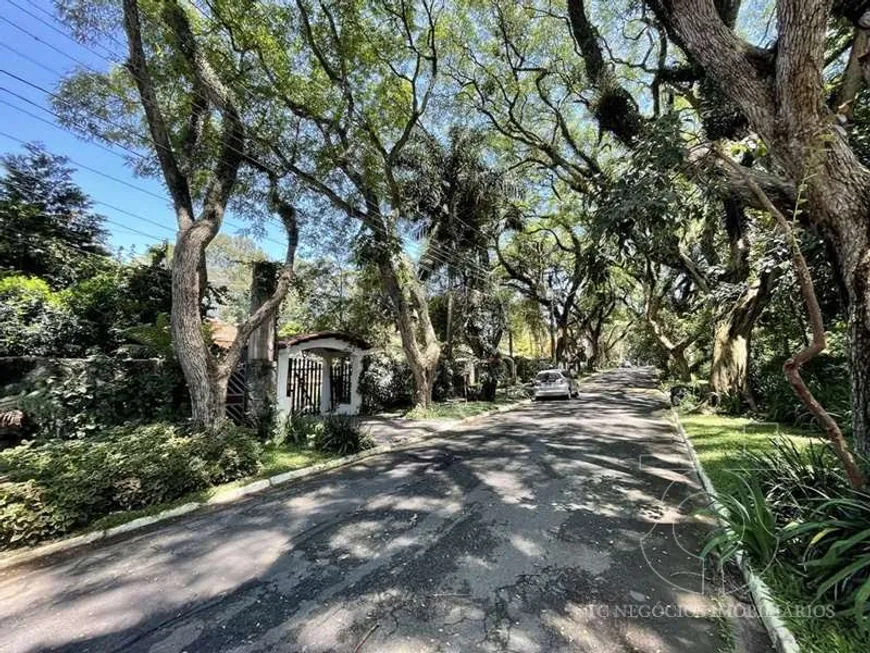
[{"x": 517, "y": 534}]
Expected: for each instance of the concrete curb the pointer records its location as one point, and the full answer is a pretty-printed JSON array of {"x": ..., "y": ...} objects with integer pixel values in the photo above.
[
  {"x": 234, "y": 494},
  {"x": 768, "y": 610}
]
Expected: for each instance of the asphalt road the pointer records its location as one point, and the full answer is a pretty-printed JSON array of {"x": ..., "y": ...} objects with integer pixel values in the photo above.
[{"x": 560, "y": 526}]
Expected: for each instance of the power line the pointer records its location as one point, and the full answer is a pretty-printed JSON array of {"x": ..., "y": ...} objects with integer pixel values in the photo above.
[
  {"x": 108, "y": 121},
  {"x": 52, "y": 27},
  {"x": 96, "y": 172},
  {"x": 115, "y": 208},
  {"x": 24, "y": 239},
  {"x": 443, "y": 258},
  {"x": 372, "y": 150},
  {"x": 57, "y": 126},
  {"x": 48, "y": 122},
  {"x": 43, "y": 41},
  {"x": 60, "y": 21},
  {"x": 364, "y": 144}
]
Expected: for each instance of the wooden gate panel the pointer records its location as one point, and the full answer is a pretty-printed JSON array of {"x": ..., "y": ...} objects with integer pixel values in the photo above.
[
  {"x": 304, "y": 377},
  {"x": 340, "y": 372}
]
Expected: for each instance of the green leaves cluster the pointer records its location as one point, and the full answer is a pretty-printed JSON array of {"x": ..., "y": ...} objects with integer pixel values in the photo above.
[
  {"x": 77, "y": 398},
  {"x": 61, "y": 486}
]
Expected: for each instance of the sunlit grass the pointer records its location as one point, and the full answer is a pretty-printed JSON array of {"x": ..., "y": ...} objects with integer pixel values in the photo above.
[
  {"x": 720, "y": 443},
  {"x": 278, "y": 459},
  {"x": 456, "y": 410}
]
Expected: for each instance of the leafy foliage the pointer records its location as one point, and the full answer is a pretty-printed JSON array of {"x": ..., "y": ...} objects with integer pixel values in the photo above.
[
  {"x": 301, "y": 429},
  {"x": 60, "y": 486},
  {"x": 341, "y": 435},
  {"x": 836, "y": 560},
  {"x": 385, "y": 383},
  {"x": 78, "y": 398},
  {"x": 34, "y": 319},
  {"x": 792, "y": 477},
  {"x": 48, "y": 227},
  {"x": 88, "y": 316},
  {"x": 748, "y": 523}
]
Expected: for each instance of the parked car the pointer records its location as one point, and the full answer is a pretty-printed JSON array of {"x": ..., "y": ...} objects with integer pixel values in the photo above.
[{"x": 555, "y": 383}]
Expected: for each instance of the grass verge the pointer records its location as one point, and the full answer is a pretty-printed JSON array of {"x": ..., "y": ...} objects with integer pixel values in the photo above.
[
  {"x": 457, "y": 409},
  {"x": 720, "y": 443}
]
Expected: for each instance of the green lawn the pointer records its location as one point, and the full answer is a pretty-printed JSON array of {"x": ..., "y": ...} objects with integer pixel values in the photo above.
[
  {"x": 720, "y": 443},
  {"x": 457, "y": 410},
  {"x": 286, "y": 458}
]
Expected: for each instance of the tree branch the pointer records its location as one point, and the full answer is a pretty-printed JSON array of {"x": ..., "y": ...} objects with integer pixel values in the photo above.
[
  {"x": 792, "y": 366},
  {"x": 175, "y": 181}
]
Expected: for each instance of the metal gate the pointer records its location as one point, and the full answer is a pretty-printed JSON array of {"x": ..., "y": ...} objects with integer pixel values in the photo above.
[
  {"x": 339, "y": 377},
  {"x": 304, "y": 375}
]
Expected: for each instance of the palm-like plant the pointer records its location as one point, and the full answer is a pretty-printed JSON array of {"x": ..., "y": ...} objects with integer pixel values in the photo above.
[
  {"x": 457, "y": 202},
  {"x": 150, "y": 340}
]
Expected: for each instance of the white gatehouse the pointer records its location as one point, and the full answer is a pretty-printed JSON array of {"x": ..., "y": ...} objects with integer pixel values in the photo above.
[{"x": 318, "y": 373}]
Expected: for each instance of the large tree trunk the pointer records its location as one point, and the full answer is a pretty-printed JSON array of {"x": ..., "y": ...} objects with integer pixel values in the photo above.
[
  {"x": 676, "y": 352},
  {"x": 594, "y": 335},
  {"x": 680, "y": 364},
  {"x": 206, "y": 397},
  {"x": 729, "y": 372},
  {"x": 860, "y": 369},
  {"x": 782, "y": 94},
  {"x": 411, "y": 313},
  {"x": 859, "y": 350},
  {"x": 206, "y": 376}
]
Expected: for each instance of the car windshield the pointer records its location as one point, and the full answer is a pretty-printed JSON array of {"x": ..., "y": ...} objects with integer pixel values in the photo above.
[{"x": 549, "y": 377}]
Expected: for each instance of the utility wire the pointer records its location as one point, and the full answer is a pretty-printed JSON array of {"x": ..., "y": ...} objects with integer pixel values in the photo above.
[
  {"x": 364, "y": 144},
  {"x": 56, "y": 29},
  {"x": 120, "y": 145},
  {"x": 436, "y": 253}
]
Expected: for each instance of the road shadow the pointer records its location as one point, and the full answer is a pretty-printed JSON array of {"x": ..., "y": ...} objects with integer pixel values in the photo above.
[{"x": 555, "y": 527}]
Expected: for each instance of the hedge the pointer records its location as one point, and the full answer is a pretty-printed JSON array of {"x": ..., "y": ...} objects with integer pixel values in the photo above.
[
  {"x": 78, "y": 397},
  {"x": 63, "y": 485}
]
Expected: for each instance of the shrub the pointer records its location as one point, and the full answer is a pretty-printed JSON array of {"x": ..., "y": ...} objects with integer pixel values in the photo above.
[
  {"x": 527, "y": 368},
  {"x": 443, "y": 386},
  {"x": 62, "y": 485},
  {"x": 34, "y": 320},
  {"x": 76, "y": 398},
  {"x": 341, "y": 435},
  {"x": 836, "y": 560},
  {"x": 827, "y": 376},
  {"x": 301, "y": 430},
  {"x": 794, "y": 506},
  {"x": 385, "y": 383},
  {"x": 792, "y": 478},
  {"x": 687, "y": 395},
  {"x": 747, "y": 522}
]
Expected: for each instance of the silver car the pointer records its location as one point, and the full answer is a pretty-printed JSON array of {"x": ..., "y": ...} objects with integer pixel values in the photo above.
[{"x": 555, "y": 383}]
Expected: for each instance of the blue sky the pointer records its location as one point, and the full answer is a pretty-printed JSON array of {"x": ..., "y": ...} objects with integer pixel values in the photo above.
[{"x": 41, "y": 62}]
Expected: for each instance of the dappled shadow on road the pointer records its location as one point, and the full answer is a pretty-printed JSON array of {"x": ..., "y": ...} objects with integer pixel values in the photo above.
[{"x": 525, "y": 533}]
